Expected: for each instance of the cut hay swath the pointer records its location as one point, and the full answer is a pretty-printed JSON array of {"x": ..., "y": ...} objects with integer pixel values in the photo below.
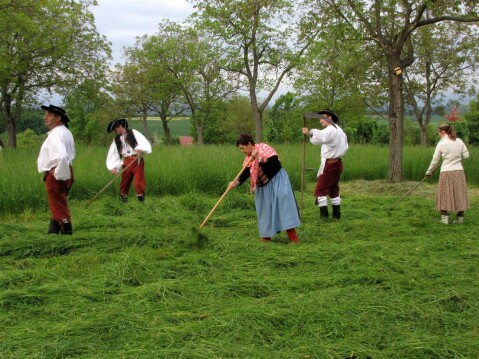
[
  {"x": 110, "y": 183},
  {"x": 405, "y": 195}
]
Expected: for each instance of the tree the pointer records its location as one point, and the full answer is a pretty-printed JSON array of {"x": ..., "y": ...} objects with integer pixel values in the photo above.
[
  {"x": 263, "y": 39},
  {"x": 90, "y": 107},
  {"x": 46, "y": 45},
  {"x": 453, "y": 115},
  {"x": 239, "y": 118},
  {"x": 390, "y": 26},
  {"x": 151, "y": 87},
  {"x": 446, "y": 60},
  {"x": 472, "y": 119},
  {"x": 194, "y": 61},
  {"x": 332, "y": 74},
  {"x": 284, "y": 118},
  {"x": 131, "y": 91}
]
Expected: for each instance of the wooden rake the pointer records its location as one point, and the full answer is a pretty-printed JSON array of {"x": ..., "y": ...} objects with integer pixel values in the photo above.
[
  {"x": 405, "y": 195},
  {"x": 110, "y": 183},
  {"x": 224, "y": 194}
]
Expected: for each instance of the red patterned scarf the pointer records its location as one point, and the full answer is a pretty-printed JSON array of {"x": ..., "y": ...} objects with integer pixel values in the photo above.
[{"x": 264, "y": 152}]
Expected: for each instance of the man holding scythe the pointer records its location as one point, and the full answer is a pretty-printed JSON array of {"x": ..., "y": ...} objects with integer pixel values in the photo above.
[
  {"x": 126, "y": 156},
  {"x": 334, "y": 145}
]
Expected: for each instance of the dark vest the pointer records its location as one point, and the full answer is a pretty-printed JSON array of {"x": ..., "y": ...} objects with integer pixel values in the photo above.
[{"x": 130, "y": 140}]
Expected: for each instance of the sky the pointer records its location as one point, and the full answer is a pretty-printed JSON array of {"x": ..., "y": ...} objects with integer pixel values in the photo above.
[{"x": 121, "y": 21}]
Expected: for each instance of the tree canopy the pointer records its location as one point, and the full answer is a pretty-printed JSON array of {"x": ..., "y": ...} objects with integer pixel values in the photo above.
[{"x": 46, "y": 45}]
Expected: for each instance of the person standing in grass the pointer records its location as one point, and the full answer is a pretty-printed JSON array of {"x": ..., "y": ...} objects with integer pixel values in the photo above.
[
  {"x": 128, "y": 146},
  {"x": 276, "y": 207},
  {"x": 334, "y": 145},
  {"x": 55, "y": 161},
  {"x": 451, "y": 190}
]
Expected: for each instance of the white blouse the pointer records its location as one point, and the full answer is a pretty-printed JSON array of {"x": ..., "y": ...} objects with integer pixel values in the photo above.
[
  {"x": 57, "y": 152},
  {"x": 114, "y": 159},
  {"x": 333, "y": 141}
]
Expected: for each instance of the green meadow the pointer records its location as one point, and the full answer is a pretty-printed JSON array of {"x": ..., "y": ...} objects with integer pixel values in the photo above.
[
  {"x": 138, "y": 280},
  {"x": 179, "y": 126}
]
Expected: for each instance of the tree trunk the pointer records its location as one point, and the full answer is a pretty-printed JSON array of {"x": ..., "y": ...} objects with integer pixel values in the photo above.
[
  {"x": 166, "y": 129},
  {"x": 396, "y": 125},
  {"x": 424, "y": 135},
  {"x": 11, "y": 128},
  {"x": 427, "y": 121},
  {"x": 12, "y": 113},
  {"x": 10, "y": 123},
  {"x": 199, "y": 131},
  {"x": 258, "y": 124},
  {"x": 145, "y": 124}
]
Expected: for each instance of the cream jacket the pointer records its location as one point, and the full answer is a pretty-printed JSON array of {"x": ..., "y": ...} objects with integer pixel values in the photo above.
[{"x": 451, "y": 152}]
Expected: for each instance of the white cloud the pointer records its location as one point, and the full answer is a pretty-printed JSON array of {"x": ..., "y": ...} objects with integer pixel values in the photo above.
[{"x": 121, "y": 21}]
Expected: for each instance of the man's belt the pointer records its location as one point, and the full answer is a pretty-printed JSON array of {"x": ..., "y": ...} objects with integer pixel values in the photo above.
[{"x": 333, "y": 159}]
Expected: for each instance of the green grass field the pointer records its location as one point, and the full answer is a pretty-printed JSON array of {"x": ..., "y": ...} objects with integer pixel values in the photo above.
[
  {"x": 136, "y": 280},
  {"x": 178, "y": 127}
]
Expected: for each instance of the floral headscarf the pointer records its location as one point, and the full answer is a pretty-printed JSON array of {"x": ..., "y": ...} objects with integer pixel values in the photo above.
[{"x": 264, "y": 151}]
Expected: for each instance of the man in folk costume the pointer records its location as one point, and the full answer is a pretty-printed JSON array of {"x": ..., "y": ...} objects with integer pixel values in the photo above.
[
  {"x": 334, "y": 145},
  {"x": 55, "y": 161},
  {"x": 128, "y": 146}
]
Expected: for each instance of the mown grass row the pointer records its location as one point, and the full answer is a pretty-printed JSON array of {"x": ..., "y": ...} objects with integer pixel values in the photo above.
[
  {"x": 177, "y": 170},
  {"x": 134, "y": 281}
]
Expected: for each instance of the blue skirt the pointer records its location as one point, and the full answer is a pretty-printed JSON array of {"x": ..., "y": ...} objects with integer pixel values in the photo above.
[{"x": 276, "y": 207}]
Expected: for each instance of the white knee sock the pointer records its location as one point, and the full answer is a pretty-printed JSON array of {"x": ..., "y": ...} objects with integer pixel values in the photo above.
[
  {"x": 336, "y": 201},
  {"x": 322, "y": 201}
]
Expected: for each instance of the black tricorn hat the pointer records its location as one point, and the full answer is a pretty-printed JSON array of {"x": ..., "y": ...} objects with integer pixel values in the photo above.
[
  {"x": 57, "y": 111},
  {"x": 330, "y": 113},
  {"x": 115, "y": 123},
  {"x": 317, "y": 115}
]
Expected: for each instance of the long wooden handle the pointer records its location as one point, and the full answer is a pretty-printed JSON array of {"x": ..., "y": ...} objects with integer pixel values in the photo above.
[
  {"x": 407, "y": 193},
  {"x": 113, "y": 180},
  {"x": 303, "y": 168},
  {"x": 225, "y": 193}
]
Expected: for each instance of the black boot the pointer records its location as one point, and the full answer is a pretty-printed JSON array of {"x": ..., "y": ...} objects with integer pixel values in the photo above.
[
  {"x": 53, "y": 227},
  {"x": 67, "y": 228},
  {"x": 323, "y": 212},
  {"x": 336, "y": 212}
]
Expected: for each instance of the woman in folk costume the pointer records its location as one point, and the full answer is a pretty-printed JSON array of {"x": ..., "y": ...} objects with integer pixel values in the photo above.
[
  {"x": 451, "y": 190},
  {"x": 276, "y": 207},
  {"x": 128, "y": 146}
]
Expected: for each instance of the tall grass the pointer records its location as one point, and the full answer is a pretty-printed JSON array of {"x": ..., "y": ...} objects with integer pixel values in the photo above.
[{"x": 179, "y": 170}]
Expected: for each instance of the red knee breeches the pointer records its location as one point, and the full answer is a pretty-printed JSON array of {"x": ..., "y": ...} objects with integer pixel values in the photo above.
[
  {"x": 57, "y": 193},
  {"x": 136, "y": 172}
]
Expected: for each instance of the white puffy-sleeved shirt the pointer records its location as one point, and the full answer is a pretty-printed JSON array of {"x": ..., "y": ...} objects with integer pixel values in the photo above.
[
  {"x": 451, "y": 152},
  {"x": 333, "y": 141},
  {"x": 57, "y": 152},
  {"x": 115, "y": 159}
]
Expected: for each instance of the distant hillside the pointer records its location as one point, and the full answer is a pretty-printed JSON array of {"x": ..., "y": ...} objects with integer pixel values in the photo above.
[{"x": 178, "y": 127}]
